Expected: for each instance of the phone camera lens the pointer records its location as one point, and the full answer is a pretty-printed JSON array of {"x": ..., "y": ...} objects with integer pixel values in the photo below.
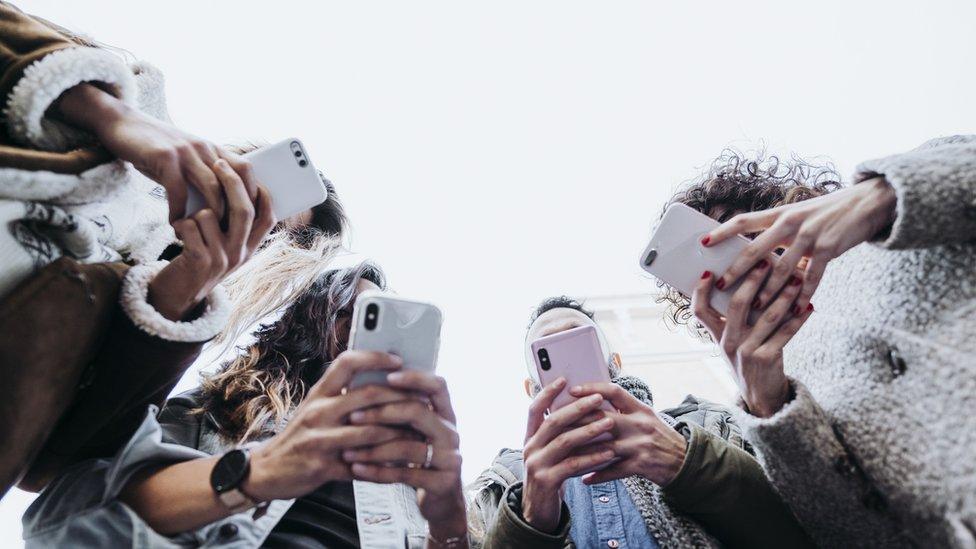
[
  {"x": 372, "y": 312},
  {"x": 302, "y": 163},
  {"x": 298, "y": 153},
  {"x": 544, "y": 360}
]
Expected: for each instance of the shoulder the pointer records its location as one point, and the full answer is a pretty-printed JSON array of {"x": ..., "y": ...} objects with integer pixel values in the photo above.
[{"x": 180, "y": 421}]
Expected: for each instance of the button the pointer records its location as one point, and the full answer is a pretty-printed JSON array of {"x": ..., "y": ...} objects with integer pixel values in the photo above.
[
  {"x": 613, "y": 543},
  {"x": 896, "y": 362},
  {"x": 604, "y": 499},
  {"x": 228, "y": 530}
]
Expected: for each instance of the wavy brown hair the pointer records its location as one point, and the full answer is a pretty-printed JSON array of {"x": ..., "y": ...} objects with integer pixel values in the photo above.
[
  {"x": 253, "y": 394},
  {"x": 735, "y": 183}
]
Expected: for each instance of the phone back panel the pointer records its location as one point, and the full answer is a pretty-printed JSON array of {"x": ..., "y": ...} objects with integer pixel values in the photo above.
[
  {"x": 408, "y": 329},
  {"x": 293, "y": 187},
  {"x": 676, "y": 256},
  {"x": 576, "y": 355}
]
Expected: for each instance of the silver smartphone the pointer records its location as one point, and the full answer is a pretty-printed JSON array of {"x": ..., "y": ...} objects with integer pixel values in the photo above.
[{"x": 391, "y": 324}]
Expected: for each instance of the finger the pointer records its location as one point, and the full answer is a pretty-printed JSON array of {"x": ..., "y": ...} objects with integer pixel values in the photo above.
[
  {"x": 576, "y": 465},
  {"x": 347, "y": 365},
  {"x": 240, "y": 211},
  {"x": 430, "y": 385},
  {"x": 203, "y": 179},
  {"x": 176, "y": 196},
  {"x": 702, "y": 308},
  {"x": 742, "y": 300},
  {"x": 743, "y": 223},
  {"x": 403, "y": 452},
  {"x": 428, "y": 479},
  {"x": 616, "y": 395},
  {"x": 616, "y": 471},
  {"x": 209, "y": 227},
  {"x": 783, "y": 269},
  {"x": 760, "y": 249},
  {"x": 354, "y": 436},
  {"x": 409, "y": 413},
  {"x": 264, "y": 219},
  {"x": 570, "y": 441},
  {"x": 193, "y": 244},
  {"x": 244, "y": 169},
  {"x": 785, "y": 333},
  {"x": 366, "y": 396},
  {"x": 811, "y": 279},
  {"x": 542, "y": 402},
  {"x": 774, "y": 314},
  {"x": 561, "y": 419}
]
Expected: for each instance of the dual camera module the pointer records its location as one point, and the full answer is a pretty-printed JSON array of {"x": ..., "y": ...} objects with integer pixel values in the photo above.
[
  {"x": 372, "y": 315},
  {"x": 544, "y": 359},
  {"x": 296, "y": 149}
]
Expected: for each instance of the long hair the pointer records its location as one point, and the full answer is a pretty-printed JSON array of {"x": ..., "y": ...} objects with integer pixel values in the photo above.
[
  {"x": 254, "y": 394},
  {"x": 735, "y": 183}
]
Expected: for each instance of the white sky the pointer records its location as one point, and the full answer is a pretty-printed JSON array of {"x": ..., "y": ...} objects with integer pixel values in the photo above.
[{"x": 492, "y": 154}]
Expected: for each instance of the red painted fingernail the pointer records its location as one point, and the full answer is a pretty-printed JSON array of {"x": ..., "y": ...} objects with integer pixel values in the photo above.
[
  {"x": 794, "y": 281},
  {"x": 720, "y": 284},
  {"x": 706, "y": 240},
  {"x": 757, "y": 303},
  {"x": 809, "y": 306},
  {"x": 706, "y": 274},
  {"x": 762, "y": 264}
]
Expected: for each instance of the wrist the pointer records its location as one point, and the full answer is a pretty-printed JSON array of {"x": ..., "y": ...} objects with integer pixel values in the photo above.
[
  {"x": 882, "y": 203},
  {"x": 768, "y": 403},
  {"x": 90, "y": 108},
  {"x": 675, "y": 457},
  {"x": 541, "y": 510},
  {"x": 258, "y": 485},
  {"x": 172, "y": 307}
]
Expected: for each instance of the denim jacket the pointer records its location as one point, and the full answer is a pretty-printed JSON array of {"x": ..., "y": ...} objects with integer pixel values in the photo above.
[{"x": 81, "y": 509}]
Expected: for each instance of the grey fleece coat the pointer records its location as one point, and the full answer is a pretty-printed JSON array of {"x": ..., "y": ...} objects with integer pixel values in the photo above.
[{"x": 878, "y": 446}]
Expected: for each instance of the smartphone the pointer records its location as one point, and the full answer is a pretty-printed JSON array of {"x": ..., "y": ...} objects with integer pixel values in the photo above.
[
  {"x": 574, "y": 354},
  {"x": 676, "y": 256},
  {"x": 286, "y": 170},
  {"x": 392, "y": 324}
]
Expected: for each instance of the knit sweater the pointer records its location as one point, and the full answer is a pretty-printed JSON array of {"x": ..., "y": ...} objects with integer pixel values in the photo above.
[{"x": 877, "y": 447}]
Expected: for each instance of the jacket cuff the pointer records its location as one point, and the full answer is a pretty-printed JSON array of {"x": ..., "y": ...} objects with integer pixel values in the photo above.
[
  {"x": 684, "y": 487},
  {"x": 134, "y": 301},
  {"x": 511, "y": 530},
  {"x": 46, "y": 79},
  {"x": 935, "y": 192}
]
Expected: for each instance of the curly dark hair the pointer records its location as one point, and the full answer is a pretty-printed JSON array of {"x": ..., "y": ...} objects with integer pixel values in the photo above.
[
  {"x": 735, "y": 183},
  {"x": 255, "y": 392},
  {"x": 558, "y": 302}
]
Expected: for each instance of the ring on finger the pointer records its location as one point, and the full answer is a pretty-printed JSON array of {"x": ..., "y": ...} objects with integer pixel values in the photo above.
[{"x": 430, "y": 456}]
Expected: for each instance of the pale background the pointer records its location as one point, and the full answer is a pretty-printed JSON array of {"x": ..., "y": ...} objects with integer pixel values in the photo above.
[{"x": 492, "y": 154}]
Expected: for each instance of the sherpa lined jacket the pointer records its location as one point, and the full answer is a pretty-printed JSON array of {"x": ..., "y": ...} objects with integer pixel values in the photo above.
[{"x": 72, "y": 312}]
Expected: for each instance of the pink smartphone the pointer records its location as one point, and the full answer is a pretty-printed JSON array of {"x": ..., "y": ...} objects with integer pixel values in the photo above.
[{"x": 575, "y": 355}]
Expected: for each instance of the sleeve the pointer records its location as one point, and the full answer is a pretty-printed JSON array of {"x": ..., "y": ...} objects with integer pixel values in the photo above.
[
  {"x": 37, "y": 65},
  {"x": 935, "y": 186},
  {"x": 509, "y": 529},
  {"x": 810, "y": 467},
  {"x": 724, "y": 489}
]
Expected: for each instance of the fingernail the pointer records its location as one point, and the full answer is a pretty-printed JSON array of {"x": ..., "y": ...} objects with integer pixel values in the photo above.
[
  {"x": 560, "y": 381},
  {"x": 394, "y": 377},
  {"x": 720, "y": 284},
  {"x": 762, "y": 264},
  {"x": 706, "y": 274},
  {"x": 349, "y": 455},
  {"x": 756, "y": 303},
  {"x": 606, "y": 422},
  {"x": 358, "y": 468},
  {"x": 706, "y": 240},
  {"x": 577, "y": 389},
  {"x": 809, "y": 306},
  {"x": 794, "y": 280},
  {"x": 357, "y": 416}
]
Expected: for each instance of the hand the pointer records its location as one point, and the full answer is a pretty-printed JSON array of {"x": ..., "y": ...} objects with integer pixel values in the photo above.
[
  {"x": 307, "y": 453},
  {"x": 815, "y": 231},
  {"x": 164, "y": 153},
  {"x": 754, "y": 352},
  {"x": 645, "y": 444},
  {"x": 210, "y": 254},
  {"x": 556, "y": 449},
  {"x": 440, "y": 495}
]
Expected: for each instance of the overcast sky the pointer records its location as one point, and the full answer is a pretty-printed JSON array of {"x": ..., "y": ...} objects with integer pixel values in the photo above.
[{"x": 492, "y": 154}]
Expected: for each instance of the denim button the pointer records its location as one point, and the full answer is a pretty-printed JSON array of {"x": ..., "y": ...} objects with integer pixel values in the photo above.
[
  {"x": 228, "y": 530},
  {"x": 604, "y": 499},
  {"x": 613, "y": 544}
]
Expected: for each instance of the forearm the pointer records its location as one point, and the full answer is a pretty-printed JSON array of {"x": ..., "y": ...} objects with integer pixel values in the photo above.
[
  {"x": 176, "y": 498},
  {"x": 90, "y": 108}
]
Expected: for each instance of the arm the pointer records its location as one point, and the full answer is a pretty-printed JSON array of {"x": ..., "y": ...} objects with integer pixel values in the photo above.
[
  {"x": 935, "y": 186},
  {"x": 510, "y": 529},
  {"x": 725, "y": 490}
]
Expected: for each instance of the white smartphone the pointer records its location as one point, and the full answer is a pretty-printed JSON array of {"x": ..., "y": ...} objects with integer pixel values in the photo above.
[
  {"x": 677, "y": 257},
  {"x": 391, "y": 324},
  {"x": 286, "y": 170}
]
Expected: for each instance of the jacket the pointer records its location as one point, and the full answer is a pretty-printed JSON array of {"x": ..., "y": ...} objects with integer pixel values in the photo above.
[
  {"x": 720, "y": 496},
  {"x": 72, "y": 312},
  {"x": 876, "y": 447},
  {"x": 81, "y": 508}
]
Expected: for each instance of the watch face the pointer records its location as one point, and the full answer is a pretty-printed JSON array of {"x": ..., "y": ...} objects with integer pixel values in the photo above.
[{"x": 229, "y": 471}]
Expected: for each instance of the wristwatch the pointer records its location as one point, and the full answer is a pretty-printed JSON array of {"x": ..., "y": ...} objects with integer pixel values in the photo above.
[{"x": 227, "y": 476}]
